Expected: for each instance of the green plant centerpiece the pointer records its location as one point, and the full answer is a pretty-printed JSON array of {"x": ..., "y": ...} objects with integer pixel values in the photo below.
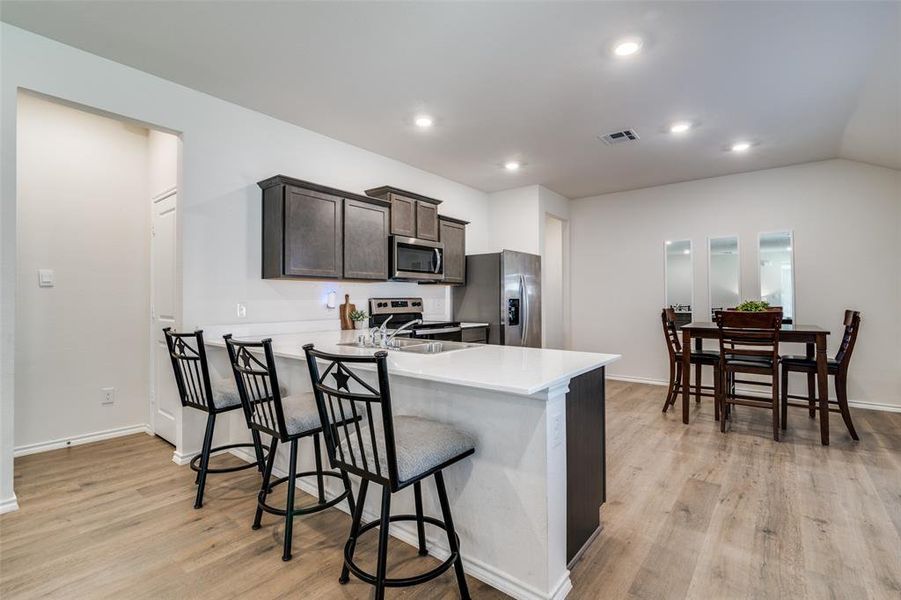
[
  {"x": 753, "y": 306},
  {"x": 359, "y": 317}
]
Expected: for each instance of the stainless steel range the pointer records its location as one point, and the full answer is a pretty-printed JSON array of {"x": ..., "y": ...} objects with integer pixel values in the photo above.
[{"x": 403, "y": 312}]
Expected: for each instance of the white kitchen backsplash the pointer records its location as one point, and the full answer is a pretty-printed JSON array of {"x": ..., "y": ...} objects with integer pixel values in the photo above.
[{"x": 305, "y": 305}]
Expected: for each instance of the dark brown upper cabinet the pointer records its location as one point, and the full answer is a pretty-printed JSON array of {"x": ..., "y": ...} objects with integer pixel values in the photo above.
[
  {"x": 452, "y": 233},
  {"x": 412, "y": 215},
  {"x": 403, "y": 216},
  {"x": 366, "y": 230},
  {"x": 426, "y": 221},
  {"x": 310, "y": 230}
]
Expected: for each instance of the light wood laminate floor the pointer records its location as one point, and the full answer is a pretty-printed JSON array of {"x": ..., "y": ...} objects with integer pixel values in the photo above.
[{"x": 691, "y": 513}]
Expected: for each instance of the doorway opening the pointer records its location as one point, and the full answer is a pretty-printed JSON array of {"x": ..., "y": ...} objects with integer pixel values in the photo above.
[
  {"x": 555, "y": 282},
  {"x": 97, "y": 279}
]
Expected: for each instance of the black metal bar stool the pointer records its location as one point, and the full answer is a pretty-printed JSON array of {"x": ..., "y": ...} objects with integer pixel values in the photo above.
[
  {"x": 192, "y": 377},
  {"x": 395, "y": 452},
  {"x": 837, "y": 367},
  {"x": 286, "y": 420}
]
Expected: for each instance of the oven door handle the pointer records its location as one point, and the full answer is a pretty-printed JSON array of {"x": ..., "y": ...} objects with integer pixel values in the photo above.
[{"x": 434, "y": 331}]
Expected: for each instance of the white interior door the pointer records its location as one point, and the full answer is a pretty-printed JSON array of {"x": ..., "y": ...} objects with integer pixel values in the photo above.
[{"x": 165, "y": 405}]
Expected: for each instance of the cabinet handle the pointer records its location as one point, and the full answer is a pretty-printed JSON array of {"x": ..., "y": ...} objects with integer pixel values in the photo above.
[{"x": 437, "y": 261}]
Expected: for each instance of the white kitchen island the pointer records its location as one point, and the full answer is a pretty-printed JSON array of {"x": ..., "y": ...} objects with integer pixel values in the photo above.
[{"x": 527, "y": 501}]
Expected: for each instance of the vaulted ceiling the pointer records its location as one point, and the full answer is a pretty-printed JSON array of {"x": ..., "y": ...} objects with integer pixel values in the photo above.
[{"x": 534, "y": 82}]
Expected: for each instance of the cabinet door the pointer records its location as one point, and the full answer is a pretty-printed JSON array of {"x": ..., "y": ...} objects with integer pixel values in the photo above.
[
  {"x": 313, "y": 234},
  {"x": 365, "y": 240},
  {"x": 426, "y": 221},
  {"x": 453, "y": 235},
  {"x": 403, "y": 216}
]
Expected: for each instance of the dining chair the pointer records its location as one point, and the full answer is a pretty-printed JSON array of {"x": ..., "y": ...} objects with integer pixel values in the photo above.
[
  {"x": 698, "y": 359},
  {"x": 395, "y": 452},
  {"x": 749, "y": 344},
  {"x": 837, "y": 367}
]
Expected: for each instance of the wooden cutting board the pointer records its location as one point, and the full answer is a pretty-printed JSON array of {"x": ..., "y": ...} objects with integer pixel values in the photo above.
[{"x": 345, "y": 310}]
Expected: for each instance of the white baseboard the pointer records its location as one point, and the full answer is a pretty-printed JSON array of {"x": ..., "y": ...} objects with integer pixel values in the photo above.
[
  {"x": 9, "y": 505},
  {"x": 874, "y": 406},
  {"x": 631, "y": 379},
  {"x": 863, "y": 404},
  {"x": 77, "y": 440},
  {"x": 183, "y": 458},
  {"x": 406, "y": 532}
]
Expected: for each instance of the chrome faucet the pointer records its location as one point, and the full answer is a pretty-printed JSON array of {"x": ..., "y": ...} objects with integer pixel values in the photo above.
[
  {"x": 387, "y": 340},
  {"x": 377, "y": 334}
]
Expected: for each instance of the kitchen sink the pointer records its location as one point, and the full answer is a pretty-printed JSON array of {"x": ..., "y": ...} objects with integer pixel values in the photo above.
[{"x": 414, "y": 346}]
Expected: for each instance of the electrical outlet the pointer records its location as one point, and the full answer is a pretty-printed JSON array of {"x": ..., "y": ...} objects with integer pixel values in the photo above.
[
  {"x": 557, "y": 430},
  {"x": 242, "y": 311},
  {"x": 108, "y": 396}
]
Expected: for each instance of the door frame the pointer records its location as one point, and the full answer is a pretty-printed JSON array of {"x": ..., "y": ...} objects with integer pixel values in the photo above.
[
  {"x": 565, "y": 242},
  {"x": 152, "y": 367}
]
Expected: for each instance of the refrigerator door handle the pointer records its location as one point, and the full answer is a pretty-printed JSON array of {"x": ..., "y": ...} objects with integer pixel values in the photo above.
[{"x": 524, "y": 295}]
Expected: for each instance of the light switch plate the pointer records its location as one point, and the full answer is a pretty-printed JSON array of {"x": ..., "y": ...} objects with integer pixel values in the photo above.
[
  {"x": 108, "y": 396},
  {"x": 45, "y": 277}
]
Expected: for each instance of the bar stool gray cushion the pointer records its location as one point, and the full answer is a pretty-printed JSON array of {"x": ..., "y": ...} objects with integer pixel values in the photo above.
[
  {"x": 301, "y": 413},
  {"x": 422, "y": 445},
  {"x": 225, "y": 394}
]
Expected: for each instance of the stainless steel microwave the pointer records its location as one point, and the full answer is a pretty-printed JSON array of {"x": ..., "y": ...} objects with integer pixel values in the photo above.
[{"x": 413, "y": 259}]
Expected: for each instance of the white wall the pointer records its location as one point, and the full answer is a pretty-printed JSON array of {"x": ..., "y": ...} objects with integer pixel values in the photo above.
[
  {"x": 226, "y": 150},
  {"x": 82, "y": 213},
  {"x": 515, "y": 219},
  {"x": 847, "y": 246}
]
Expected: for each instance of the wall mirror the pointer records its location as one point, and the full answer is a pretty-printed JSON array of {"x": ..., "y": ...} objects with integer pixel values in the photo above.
[
  {"x": 775, "y": 251},
  {"x": 679, "y": 279},
  {"x": 723, "y": 273}
]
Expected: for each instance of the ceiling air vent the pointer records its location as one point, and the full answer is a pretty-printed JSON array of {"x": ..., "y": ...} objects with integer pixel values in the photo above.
[{"x": 620, "y": 137}]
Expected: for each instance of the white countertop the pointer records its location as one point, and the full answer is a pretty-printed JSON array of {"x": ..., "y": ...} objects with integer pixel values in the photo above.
[{"x": 521, "y": 371}]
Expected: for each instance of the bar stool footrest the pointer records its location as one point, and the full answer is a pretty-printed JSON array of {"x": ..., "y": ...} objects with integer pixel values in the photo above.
[
  {"x": 195, "y": 462},
  {"x": 399, "y": 581},
  {"x": 306, "y": 510}
]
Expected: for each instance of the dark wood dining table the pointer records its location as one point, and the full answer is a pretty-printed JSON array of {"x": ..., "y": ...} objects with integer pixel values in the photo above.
[{"x": 813, "y": 336}]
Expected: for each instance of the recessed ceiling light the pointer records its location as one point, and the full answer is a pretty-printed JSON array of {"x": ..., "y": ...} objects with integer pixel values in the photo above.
[
  {"x": 686, "y": 251},
  {"x": 741, "y": 146},
  {"x": 627, "y": 47},
  {"x": 424, "y": 121},
  {"x": 668, "y": 242},
  {"x": 512, "y": 165},
  {"x": 680, "y": 127}
]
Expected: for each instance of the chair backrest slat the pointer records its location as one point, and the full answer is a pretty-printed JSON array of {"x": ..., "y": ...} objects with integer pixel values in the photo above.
[
  {"x": 189, "y": 365},
  {"x": 253, "y": 364},
  {"x": 849, "y": 338},
  {"x": 357, "y": 440},
  {"x": 671, "y": 332}
]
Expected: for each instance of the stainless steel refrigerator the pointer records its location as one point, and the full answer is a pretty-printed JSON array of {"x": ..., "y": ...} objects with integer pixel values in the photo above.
[{"x": 502, "y": 289}]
